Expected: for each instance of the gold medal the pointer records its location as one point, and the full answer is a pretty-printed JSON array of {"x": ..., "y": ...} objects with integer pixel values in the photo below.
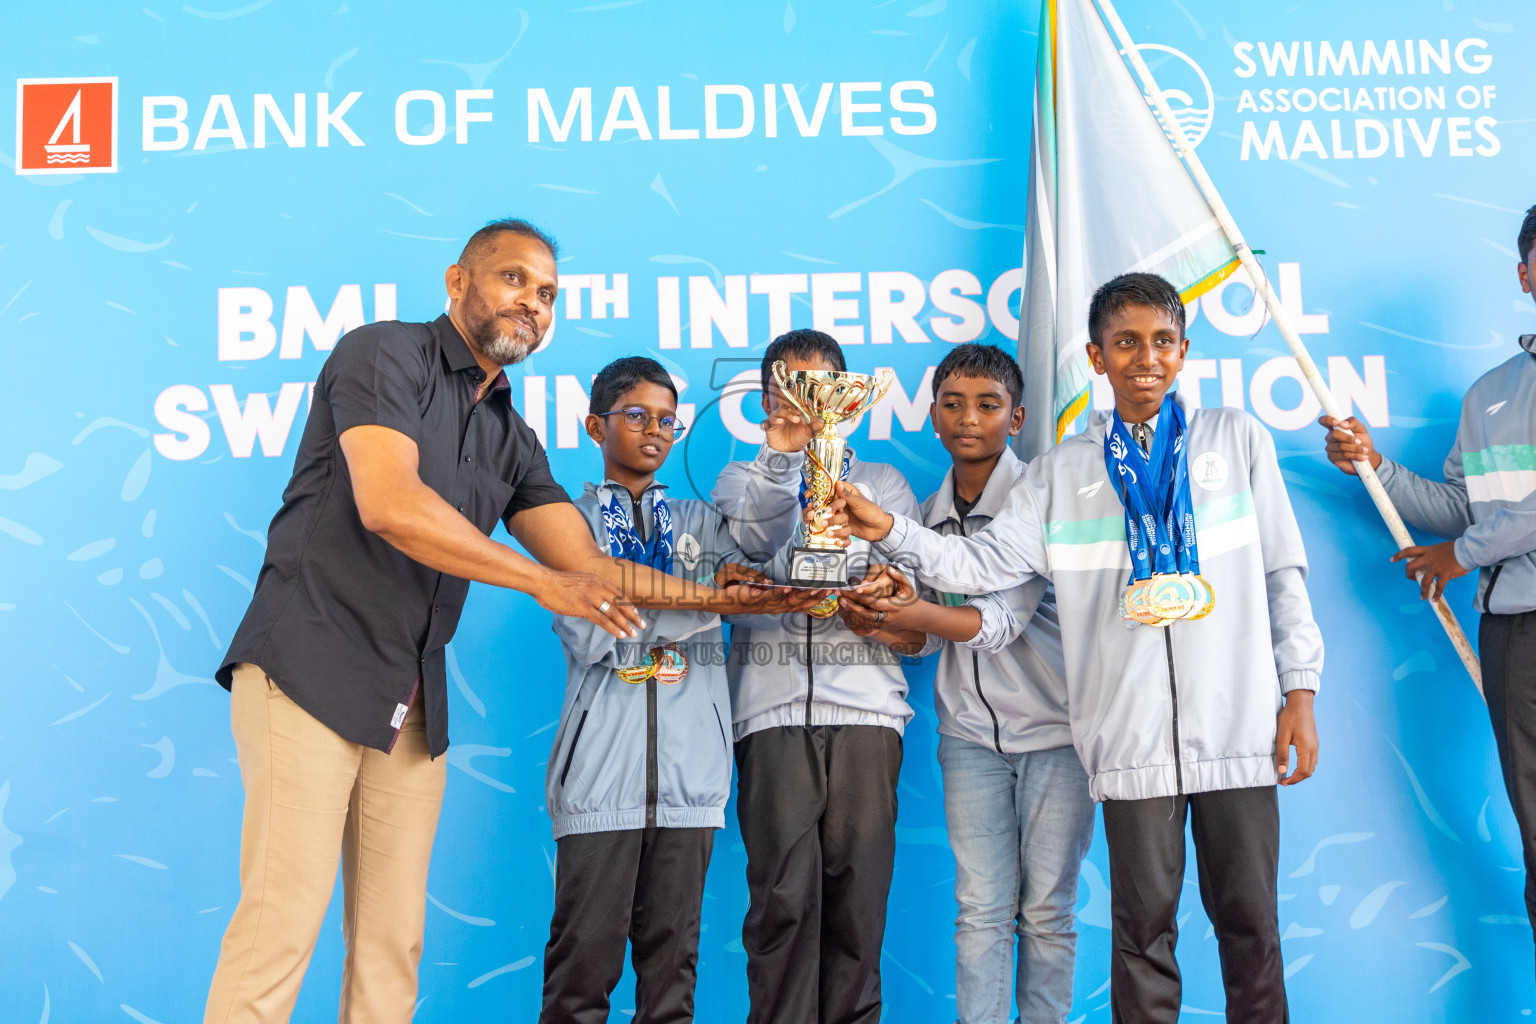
[
  {"x": 1207, "y": 603},
  {"x": 1162, "y": 599},
  {"x": 1173, "y": 597},
  {"x": 636, "y": 674},
  {"x": 823, "y": 609}
]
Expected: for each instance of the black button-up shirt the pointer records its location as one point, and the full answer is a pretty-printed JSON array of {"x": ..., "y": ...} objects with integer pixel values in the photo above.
[{"x": 344, "y": 623}]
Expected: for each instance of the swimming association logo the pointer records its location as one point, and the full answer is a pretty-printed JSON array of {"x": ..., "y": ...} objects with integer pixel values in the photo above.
[
  {"x": 1185, "y": 87},
  {"x": 1209, "y": 470},
  {"x": 66, "y": 125}
]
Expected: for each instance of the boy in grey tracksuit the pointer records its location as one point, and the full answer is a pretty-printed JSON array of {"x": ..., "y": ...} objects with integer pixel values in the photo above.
[
  {"x": 1487, "y": 506},
  {"x": 1016, "y": 801},
  {"x": 1192, "y": 718},
  {"x": 640, "y": 770},
  {"x": 818, "y": 712}
]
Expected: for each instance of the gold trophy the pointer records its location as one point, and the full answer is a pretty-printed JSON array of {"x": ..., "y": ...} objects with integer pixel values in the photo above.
[{"x": 831, "y": 396}]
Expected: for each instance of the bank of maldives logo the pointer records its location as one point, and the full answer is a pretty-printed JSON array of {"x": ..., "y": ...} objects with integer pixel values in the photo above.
[
  {"x": 66, "y": 125},
  {"x": 1184, "y": 86}
]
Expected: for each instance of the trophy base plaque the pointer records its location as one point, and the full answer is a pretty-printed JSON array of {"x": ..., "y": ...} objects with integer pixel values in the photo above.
[{"x": 818, "y": 568}]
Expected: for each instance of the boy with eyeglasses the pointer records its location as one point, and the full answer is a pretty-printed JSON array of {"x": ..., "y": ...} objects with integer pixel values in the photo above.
[{"x": 641, "y": 767}]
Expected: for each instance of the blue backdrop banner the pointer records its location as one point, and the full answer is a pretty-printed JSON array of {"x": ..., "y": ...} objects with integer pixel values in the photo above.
[{"x": 206, "y": 195}]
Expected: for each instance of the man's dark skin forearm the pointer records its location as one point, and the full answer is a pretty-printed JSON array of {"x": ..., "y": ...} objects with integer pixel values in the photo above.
[{"x": 575, "y": 578}]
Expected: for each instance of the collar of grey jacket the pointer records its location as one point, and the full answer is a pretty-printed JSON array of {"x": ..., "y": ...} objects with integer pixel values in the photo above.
[{"x": 994, "y": 496}]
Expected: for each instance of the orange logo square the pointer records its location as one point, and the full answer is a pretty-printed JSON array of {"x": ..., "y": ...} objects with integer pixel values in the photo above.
[{"x": 66, "y": 125}]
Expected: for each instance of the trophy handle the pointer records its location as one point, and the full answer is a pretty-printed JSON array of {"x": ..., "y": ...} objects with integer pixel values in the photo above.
[
  {"x": 884, "y": 378},
  {"x": 780, "y": 371}
]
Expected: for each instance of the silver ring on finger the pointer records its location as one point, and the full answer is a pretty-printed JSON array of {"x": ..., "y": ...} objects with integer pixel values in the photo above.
[
  {"x": 604, "y": 607},
  {"x": 879, "y": 618}
]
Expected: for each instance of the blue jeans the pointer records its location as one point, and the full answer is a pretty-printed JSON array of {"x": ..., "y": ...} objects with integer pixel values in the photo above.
[{"x": 1019, "y": 826}]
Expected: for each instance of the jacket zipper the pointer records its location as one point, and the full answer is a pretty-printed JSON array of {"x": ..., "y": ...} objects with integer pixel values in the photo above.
[
  {"x": 997, "y": 732},
  {"x": 810, "y": 669},
  {"x": 1488, "y": 594},
  {"x": 1173, "y": 689},
  {"x": 652, "y": 771},
  {"x": 580, "y": 725},
  {"x": 997, "y": 736}
]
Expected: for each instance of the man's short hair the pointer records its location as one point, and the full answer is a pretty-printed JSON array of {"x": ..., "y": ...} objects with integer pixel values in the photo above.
[
  {"x": 802, "y": 344},
  {"x": 1132, "y": 290},
  {"x": 973, "y": 359},
  {"x": 1528, "y": 235},
  {"x": 481, "y": 241},
  {"x": 622, "y": 374}
]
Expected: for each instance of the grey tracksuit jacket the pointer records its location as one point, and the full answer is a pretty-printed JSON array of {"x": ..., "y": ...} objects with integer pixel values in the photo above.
[
  {"x": 848, "y": 679},
  {"x": 1156, "y": 711},
  {"x": 633, "y": 755},
  {"x": 1006, "y": 688},
  {"x": 1488, "y": 499}
]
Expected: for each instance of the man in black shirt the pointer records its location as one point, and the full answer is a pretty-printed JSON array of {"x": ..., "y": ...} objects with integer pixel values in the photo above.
[{"x": 411, "y": 453}]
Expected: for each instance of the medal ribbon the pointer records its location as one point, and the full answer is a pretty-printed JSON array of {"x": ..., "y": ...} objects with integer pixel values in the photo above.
[
  {"x": 1154, "y": 489},
  {"x": 624, "y": 541}
]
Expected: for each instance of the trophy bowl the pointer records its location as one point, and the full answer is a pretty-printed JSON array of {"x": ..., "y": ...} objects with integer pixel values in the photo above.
[{"x": 831, "y": 396}]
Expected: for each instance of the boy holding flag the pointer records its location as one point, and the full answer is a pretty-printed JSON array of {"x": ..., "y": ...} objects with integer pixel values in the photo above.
[
  {"x": 1485, "y": 506},
  {"x": 1186, "y": 686}
]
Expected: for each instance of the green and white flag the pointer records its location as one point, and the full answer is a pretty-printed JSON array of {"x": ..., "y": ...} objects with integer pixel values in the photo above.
[{"x": 1108, "y": 195}]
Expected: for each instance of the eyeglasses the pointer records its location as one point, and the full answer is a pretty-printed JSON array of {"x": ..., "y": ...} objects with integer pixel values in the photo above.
[{"x": 637, "y": 419}]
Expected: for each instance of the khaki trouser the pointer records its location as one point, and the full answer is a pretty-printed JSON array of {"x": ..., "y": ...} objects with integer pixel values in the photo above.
[{"x": 313, "y": 799}]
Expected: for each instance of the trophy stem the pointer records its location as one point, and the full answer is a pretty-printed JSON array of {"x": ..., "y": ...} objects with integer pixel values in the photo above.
[{"x": 824, "y": 458}]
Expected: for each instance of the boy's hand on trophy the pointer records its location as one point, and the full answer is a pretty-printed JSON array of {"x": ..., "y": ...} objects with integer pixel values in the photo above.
[
  {"x": 787, "y": 430},
  {"x": 830, "y": 522},
  {"x": 885, "y": 582},
  {"x": 866, "y": 520},
  {"x": 885, "y": 592}
]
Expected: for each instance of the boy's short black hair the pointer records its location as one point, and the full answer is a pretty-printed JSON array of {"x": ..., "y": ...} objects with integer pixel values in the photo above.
[
  {"x": 973, "y": 359},
  {"x": 481, "y": 240},
  {"x": 802, "y": 344},
  {"x": 622, "y": 374},
  {"x": 1528, "y": 235},
  {"x": 1132, "y": 290}
]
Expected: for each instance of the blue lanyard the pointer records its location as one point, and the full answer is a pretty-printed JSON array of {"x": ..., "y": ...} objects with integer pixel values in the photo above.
[
  {"x": 1154, "y": 488},
  {"x": 624, "y": 540}
]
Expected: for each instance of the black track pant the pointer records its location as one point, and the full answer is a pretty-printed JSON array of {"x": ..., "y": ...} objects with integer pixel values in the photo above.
[
  {"x": 1237, "y": 848},
  {"x": 1507, "y": 644},
  {"x": 641, "y": 886},
  {"x": 817, "y": 806}
]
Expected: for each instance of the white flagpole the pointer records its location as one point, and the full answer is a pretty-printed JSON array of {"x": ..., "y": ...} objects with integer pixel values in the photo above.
[{"x": 1277, "y": 312}]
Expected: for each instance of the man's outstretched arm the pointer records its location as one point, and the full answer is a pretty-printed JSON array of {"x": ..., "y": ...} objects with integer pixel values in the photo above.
[
  {"x": 394, "y": 503},
  {"x": 558, "y": 537}
]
